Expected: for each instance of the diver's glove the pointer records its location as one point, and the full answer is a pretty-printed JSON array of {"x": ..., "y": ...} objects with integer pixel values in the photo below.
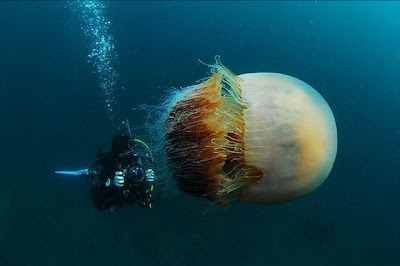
[
  {"x": 150, "y": 175},
  {"x": 119, "y": 179}
]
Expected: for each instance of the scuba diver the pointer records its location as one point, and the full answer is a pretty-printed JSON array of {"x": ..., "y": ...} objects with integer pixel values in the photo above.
[{"x": 121, "y": 175}]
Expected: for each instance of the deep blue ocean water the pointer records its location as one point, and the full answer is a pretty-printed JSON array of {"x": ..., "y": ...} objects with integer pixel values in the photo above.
[{"x": 53, "y": 116}]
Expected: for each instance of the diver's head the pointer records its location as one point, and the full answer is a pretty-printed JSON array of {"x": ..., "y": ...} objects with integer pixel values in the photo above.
[{"x": 120, "y": 144}]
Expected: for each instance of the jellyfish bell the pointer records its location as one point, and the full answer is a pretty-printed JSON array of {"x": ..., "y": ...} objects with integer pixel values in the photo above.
[
  {"x": 290, "y": 135},
  {"x": 257, "y": 137}
]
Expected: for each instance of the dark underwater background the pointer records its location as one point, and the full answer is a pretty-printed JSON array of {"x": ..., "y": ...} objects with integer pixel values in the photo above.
[{"x": 53, "y": 117}]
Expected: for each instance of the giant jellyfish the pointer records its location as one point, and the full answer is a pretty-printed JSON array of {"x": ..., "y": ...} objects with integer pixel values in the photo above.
[{"x": 256, "y": 137}]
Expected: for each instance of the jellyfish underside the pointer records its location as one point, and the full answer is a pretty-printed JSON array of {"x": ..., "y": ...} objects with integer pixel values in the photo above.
[{"x": 260, "y": 137}]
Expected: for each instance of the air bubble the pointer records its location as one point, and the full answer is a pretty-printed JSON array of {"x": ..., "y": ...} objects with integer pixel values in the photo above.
[{"x": 102, "y": 55}]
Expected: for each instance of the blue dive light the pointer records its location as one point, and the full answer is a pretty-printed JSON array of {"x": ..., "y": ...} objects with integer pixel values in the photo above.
[{"x": 75, "y": 173}]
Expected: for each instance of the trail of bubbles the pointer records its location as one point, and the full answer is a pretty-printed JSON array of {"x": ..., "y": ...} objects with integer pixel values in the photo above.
[{"x": 102, "y": 55}]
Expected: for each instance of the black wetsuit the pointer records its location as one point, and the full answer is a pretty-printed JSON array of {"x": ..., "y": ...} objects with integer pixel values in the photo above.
[{"x": 136, "y": 189}]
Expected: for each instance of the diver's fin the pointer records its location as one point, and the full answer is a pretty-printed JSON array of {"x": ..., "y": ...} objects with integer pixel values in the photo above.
[{"x": 79, "y": 172}]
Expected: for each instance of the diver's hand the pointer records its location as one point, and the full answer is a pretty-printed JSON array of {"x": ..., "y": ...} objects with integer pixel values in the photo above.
[
  {"x": 150, "y": 175},
  {"x": 119, "y": 179}
]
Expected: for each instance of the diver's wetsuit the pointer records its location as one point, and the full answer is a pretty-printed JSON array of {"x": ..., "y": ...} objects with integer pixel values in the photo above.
[{"x": 136, "y": 188}]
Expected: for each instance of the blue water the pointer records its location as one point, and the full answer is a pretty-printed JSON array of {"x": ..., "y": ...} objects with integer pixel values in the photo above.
[{"x": 54, "y": 116}]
